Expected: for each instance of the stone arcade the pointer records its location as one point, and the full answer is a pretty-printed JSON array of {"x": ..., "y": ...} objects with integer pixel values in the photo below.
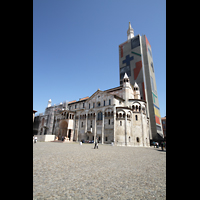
[{"x": 116, "y": 115}]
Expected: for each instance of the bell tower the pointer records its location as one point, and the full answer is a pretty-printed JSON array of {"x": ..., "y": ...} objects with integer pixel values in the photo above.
[
  {"x": 126, "y": 88},
  {"x": 130, "y": 32},
  {"x": 136, "y": 91}
]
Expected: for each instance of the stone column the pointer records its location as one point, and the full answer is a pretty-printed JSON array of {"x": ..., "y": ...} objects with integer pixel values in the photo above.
[
  {"x": 142, "y": 129},
  {"x": 72, "y": 134},
  {"x": 102, "y": 130},
  {"x": 78, "y": 126},
  {"x": 114, "y": 125},
  {"x": 95, "y": 131},
  {"x": 58, "y": 133},
  {"x": 86, "y": 123}
]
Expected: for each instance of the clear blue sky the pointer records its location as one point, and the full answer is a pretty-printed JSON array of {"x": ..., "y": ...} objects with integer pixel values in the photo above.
[{"x": 75, "y": 46}]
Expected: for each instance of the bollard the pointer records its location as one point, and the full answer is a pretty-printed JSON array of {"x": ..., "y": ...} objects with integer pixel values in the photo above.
[
  {"x": 112, "y": 144},
  {"x": 80, "y": 143}
]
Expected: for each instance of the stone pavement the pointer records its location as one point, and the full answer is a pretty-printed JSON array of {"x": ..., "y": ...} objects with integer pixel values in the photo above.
[{"x": 73, "y": 171}]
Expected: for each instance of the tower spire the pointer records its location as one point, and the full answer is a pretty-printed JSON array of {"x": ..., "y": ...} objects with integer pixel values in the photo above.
[{"x": 130, "y": 32}]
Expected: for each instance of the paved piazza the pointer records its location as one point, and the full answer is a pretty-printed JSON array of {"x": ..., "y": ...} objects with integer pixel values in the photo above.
[{"x": 73, "y": 171}]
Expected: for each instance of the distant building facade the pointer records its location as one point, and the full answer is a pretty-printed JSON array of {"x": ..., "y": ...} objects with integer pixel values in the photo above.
[{"x": 116, "y": 115}]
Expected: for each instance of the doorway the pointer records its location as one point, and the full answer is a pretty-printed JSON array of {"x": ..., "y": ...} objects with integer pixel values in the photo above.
[
  {"x": 69, "y": 135},
  {"x": 62, "y": 129}
]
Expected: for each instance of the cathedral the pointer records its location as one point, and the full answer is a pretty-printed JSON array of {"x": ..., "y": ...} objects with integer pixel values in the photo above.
[
  {"x": 127, "y": 115},
  {"x": 117, "y": 115}
]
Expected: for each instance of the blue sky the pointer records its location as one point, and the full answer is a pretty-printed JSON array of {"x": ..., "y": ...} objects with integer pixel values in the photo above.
[{"x": 75, "y": 46}]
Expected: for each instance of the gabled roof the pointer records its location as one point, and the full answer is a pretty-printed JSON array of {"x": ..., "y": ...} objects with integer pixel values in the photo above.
[
  {"x": 84, "y": 98},
  {"x": 113, "y": 89},
  {"x": 98, "y": 91}
]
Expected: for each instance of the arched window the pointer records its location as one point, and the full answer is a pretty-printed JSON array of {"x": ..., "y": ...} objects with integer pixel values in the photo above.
[
  {"x": 117, "y": 115},
  {"x": 124, "y": 115},
  {"x": 105, "y": 114},
  {"x": 43, "y": 122},
  {"x": 136, "y": 117},
  {"x": 136, "y": 108},
  {"x": 139, "y": 108},
  {"x": 120, "y": 115},
  {"x": 99, "y": 116},
  {"x": 133, "y": 107},
  {"x": 137, "y": 139}
]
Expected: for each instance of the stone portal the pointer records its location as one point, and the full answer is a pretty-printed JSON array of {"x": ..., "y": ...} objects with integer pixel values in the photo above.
[{"x": 63, "y": 125}]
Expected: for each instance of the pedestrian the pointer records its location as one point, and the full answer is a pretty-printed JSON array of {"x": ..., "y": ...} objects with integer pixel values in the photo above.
[
  {"x": 35, "y": 141},
  {"x": 154, "y": 144},
  {"x": 162, "y": 144},
  {"x": 96, "y": 143}
]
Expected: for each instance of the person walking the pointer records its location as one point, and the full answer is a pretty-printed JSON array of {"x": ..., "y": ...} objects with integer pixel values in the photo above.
[
  {"x": 96, "y": 143},
  {"x": 35, "y": 141},
  {"x": 162, "y": 144},
  {"x": 154, "y": 144}
]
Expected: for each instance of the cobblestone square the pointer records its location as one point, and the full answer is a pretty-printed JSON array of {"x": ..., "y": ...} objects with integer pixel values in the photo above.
[{"x": 73, "y": 171}]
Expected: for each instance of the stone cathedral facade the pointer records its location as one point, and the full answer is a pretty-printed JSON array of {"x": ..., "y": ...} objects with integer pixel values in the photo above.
[{"x": 116, "y": 115}]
